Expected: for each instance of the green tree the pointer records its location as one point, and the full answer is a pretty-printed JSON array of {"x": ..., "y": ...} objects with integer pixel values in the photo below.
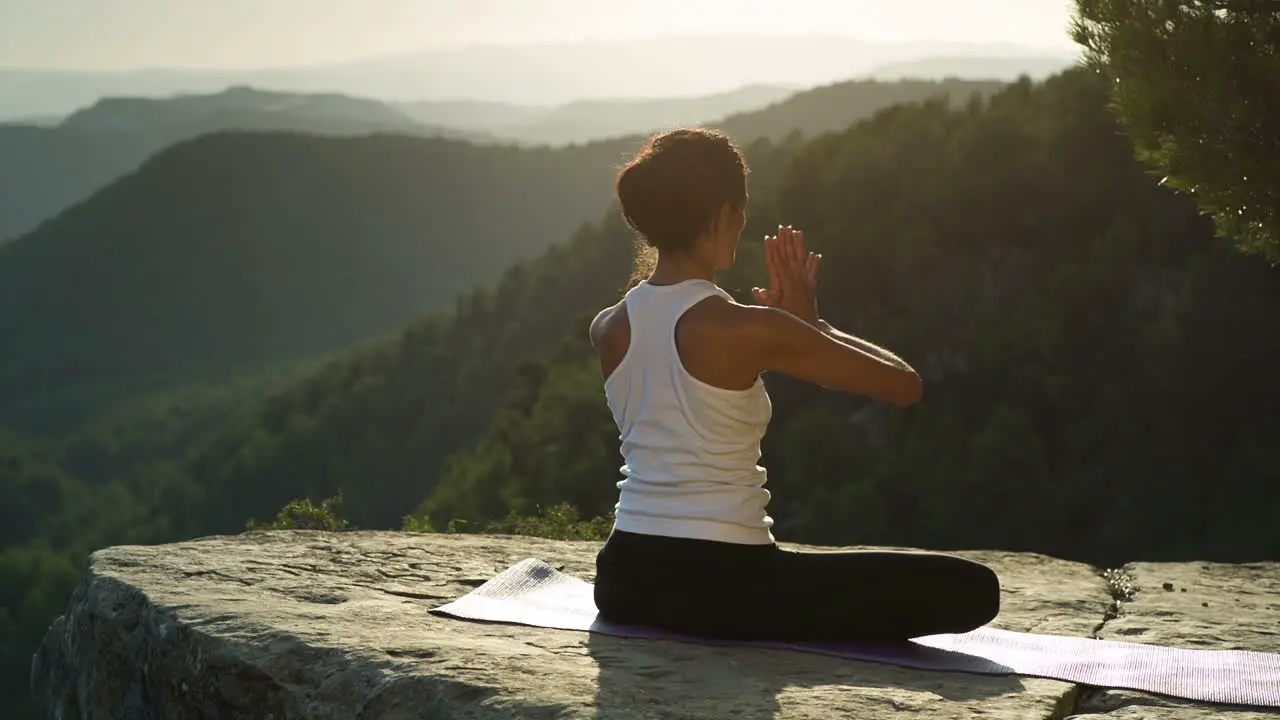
[{"x": 1194, "y": 82}]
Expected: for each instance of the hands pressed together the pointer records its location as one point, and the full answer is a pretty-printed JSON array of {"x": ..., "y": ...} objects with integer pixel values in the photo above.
[{"x": 793, "y": 275}]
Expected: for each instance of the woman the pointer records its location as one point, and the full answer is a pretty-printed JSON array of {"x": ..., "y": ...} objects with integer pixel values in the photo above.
[{"x": 691, "y": 549}]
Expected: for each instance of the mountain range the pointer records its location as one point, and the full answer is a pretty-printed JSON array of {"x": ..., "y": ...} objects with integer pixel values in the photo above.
[
  {"x": 54, "y": 163},
  {"x": 587, "y": 120},
  {"x": 245, "y": 108},
  {"x": 535, "y": 74}
]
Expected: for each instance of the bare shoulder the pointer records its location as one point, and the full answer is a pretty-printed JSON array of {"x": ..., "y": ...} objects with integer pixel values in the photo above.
[
  {"x": 610, "y": 335},
  {"x": 719, "y": 342},
  {"x": 732, "y": 324},
  {"x": 608, "y": 321},
  {"x": 759, "y": 338},
  {"x": 718, "y": 317}
]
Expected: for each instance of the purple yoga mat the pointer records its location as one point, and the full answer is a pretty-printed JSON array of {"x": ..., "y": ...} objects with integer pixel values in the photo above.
[{"x": 533, "y": 593}]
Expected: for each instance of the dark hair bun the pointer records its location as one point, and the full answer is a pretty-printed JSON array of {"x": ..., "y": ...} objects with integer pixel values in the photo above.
[{"x": 674, "y": 186}]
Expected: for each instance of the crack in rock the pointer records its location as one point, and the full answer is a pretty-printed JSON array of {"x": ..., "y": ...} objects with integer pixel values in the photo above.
[
  {"x": 404, "y": 593},
  {"x": 1121, "y": 586}
]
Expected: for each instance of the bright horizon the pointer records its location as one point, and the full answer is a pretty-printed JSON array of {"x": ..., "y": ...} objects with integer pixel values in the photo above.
[{"x": 112, "y": 35}]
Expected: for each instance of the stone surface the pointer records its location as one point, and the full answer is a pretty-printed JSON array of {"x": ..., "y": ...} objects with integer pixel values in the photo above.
[
  {"x": 1194, "y": 605},
  {"x": 336, "y": 625}
]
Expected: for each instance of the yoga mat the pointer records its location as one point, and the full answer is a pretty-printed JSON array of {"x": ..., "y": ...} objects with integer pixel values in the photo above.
[{"x": 531, "y": 592}]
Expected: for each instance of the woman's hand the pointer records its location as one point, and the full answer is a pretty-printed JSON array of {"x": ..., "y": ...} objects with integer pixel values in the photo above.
[{"x": 793, "y": 275}]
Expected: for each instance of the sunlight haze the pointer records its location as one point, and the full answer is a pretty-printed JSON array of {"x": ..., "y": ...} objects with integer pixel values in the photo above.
[{"x": 129, "y": 34}]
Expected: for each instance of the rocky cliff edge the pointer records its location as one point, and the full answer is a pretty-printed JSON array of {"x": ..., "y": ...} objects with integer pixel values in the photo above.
[{"x": 329, "y": 626}]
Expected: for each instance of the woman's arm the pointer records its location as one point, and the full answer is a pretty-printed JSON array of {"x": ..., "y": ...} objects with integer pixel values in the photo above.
[
  {"x": 778, "y": 341},
  {"x": 830, "y": 331},
  {"x": 785, "y": 333}
]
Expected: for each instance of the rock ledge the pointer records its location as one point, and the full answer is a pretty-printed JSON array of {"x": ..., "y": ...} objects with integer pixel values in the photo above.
[{"x": 326, "y": 626}]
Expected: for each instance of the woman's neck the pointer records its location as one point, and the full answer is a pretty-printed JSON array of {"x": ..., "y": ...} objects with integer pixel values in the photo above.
[{"x": 671, "y": 270}]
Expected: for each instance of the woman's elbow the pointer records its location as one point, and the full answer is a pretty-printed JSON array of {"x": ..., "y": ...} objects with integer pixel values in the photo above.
[{"x": 908, "y": 390}]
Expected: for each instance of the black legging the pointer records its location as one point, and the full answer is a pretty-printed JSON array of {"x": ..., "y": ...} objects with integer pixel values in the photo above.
[{"x": 763, "y": 592}]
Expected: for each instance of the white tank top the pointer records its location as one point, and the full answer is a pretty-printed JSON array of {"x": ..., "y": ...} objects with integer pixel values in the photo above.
[{"x": 690, "y": 449}]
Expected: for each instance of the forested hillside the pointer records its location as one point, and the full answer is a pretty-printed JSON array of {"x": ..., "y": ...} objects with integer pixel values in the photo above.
[
  {"x": 811, "y": 113},
  {"x": 1098, "y": 367},
  {"x": 47, "y": 169},
  {"x": 235, "y": 250}
]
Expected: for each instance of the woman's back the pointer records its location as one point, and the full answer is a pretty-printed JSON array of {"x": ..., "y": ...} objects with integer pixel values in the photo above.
[{"x": 690, "y": 447}]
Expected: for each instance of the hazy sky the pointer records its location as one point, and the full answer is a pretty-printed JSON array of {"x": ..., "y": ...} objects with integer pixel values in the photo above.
[{"x": 120, "y": 34}]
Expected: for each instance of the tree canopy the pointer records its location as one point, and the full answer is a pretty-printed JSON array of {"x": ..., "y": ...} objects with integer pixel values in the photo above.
[{"x": 1195, "y": 85}]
